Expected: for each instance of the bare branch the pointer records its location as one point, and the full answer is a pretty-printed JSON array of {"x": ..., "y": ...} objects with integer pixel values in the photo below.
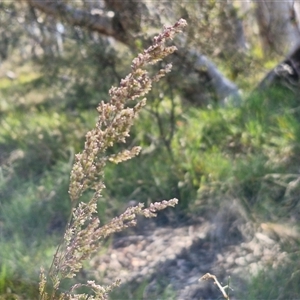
[
  {"x": 99, "y": 20},
  {"x": 223, "y": 86}
]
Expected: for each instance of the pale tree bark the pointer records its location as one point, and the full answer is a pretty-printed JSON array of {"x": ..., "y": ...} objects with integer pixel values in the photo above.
[
  {"x": 278, "y": 25},
  {"x": 233, "y": 29},
  {"x": 297, "y": 12},
  {"x": 248, "y": 15},
  {"x": 225, "y": 90},
  {"x": 285, "y": 75}
]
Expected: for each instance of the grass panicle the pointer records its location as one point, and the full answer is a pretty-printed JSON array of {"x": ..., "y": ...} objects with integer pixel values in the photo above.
[{"x": 83, "y": 235}]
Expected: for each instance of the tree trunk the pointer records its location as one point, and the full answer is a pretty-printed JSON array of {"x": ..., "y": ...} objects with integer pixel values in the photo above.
[
  {"x": 278, "y": 26},
  {"x": 286, "y": 75}
]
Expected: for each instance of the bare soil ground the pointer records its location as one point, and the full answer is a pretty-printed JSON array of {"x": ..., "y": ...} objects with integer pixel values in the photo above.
[{"x": 176, "y": 256}]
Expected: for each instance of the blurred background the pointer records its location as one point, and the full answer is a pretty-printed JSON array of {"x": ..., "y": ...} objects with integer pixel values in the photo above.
[{"x": 221, "y": 133}]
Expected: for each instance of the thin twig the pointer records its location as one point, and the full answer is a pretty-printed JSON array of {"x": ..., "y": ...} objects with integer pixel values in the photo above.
[{"x": 222, "y": 288}]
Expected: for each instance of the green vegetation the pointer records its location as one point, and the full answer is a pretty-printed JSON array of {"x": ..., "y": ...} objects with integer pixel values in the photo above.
[
  {"x": 250, "y": 153},
  {"x": 281, "y": 283}
]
